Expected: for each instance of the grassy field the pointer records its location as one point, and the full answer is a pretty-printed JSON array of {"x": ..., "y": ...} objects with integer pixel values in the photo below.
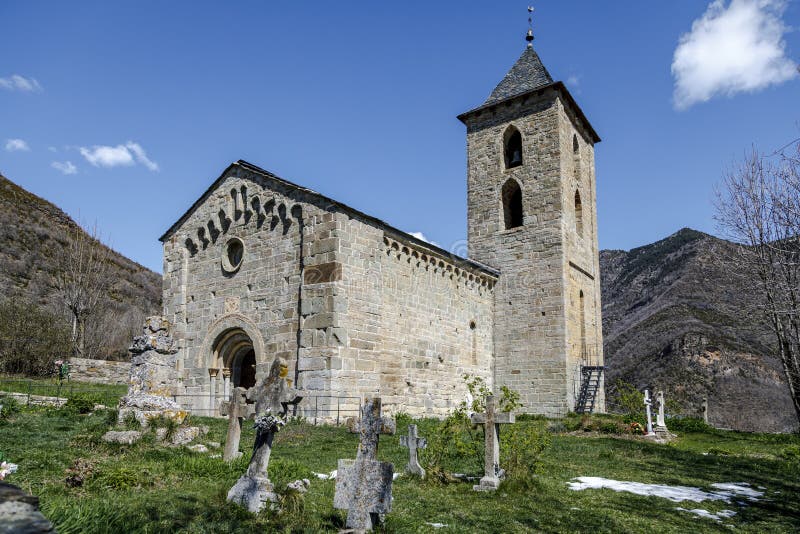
[
  {"x": 107, "y": 394},
  {"x": 148, "y": 488}
]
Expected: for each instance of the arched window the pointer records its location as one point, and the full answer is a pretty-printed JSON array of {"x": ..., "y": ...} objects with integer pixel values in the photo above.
[
  {"x": 512, "y": 204},
  {"x": 512, "y": 144},
  {"x": 578, "y": 214}
]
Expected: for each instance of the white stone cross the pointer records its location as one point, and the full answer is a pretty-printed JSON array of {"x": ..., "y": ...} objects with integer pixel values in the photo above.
[
  {"x": 647, "y": 403},
  {"x": 364, "y": 486},
  {"x": 660, "y": 420},
  {"x": 491, "y": 421},
  {"x": 413, "y": 443}
]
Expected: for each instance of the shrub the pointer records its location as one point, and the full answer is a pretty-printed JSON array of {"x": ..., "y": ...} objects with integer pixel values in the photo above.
[
  {"x": 79, "y": 405},
  {"x": 687, "y": 424},
  {"x": 169, "y": 424},
  {"x": 521, "y": 451},
  {"x": 791, "y": 453},
  {"x": 31, "y": 338},
  {"x": 8, "y": 408}
]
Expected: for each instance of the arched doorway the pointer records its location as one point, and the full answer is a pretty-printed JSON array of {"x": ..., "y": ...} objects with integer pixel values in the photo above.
[{"x": 234, "y": 350}]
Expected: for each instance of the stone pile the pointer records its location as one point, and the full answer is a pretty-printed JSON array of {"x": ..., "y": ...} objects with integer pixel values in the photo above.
[{"x": 152, "y": 375}]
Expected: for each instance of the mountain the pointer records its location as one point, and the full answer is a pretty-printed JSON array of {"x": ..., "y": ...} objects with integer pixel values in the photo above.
[
  {"x": 678, "y": 317},
  {"x": 33, "y": 236}
]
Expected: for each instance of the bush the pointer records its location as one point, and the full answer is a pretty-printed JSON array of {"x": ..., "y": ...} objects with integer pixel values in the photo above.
[
  {"x": 79, "y": 405},
  {"x": 8, "y": 408},
  {"x": 31, "y": 338},
  {"x": 791, "y": 453},
  {"x": 521, "y": 451},
  {"x": 687, "y": 424}
]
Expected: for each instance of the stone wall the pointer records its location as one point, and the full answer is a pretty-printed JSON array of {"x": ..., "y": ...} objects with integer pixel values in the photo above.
[
  {"x": 99, "y": 371},
  {"x": 417, "y": 321}
]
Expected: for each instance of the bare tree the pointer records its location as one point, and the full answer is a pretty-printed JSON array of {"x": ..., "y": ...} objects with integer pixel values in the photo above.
[
  {"x": 758, "y": 207},
  {"x": 83, "y": 277}
]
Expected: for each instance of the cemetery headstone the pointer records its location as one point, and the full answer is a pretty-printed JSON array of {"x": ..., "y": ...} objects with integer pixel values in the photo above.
[
  {"x": 237, "y": 409},
  {"x": 272, "y": 397},
  {"x": 491, "y": 421},
  {"x": 660, "y": 420},
  {"x": 364, "y": 485},
  {"x": 413, "y": 442},
  {"x": 647, "y": 404}
]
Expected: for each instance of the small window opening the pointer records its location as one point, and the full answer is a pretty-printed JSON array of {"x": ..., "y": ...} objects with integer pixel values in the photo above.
[
  {"x": 578, "y": 214},
  {"x": 513, "y": 147},
  {"x": 512, "y": 204},
  {"x": 575, "y": 147},
  {"x": 472, "y": 325}
]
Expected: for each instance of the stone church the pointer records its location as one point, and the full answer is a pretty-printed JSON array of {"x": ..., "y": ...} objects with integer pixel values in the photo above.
[{"x": 261, "y": 267}]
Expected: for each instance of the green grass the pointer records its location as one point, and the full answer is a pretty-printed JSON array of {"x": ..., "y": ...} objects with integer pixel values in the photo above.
[
  {"x": 107, "y": 394},
  {"x": 146, "y": 488}
]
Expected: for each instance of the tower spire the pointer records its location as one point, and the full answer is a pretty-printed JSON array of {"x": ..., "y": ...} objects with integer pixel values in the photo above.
[{"x": 529, "y": 36}]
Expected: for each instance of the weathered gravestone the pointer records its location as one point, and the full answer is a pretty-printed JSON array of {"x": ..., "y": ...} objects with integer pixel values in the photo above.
[
  {"x": 661, "y": 430},
  {"x": 19, "y": 512},
  {"x": 648, "y": 402},
  {"x": 491, "y": 421},
  {"x": 364, "y": 485},
  {"x": 153, "y": 357},
  {"x": 272, "y": 397},
  {"x": 413, "y": 443},
  {"x": 237, "y": 409}
]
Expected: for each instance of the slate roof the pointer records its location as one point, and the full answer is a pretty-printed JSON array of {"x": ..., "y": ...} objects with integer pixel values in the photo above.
[{"x": 527, "y": 74}]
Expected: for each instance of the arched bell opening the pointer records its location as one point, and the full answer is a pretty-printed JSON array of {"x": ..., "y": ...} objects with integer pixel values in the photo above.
[{"x": 512, "y": 147}]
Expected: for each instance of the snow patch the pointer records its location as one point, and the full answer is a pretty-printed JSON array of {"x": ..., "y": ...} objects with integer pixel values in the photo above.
[
  {"x": 719, "y": 516},
  {"x": 673, "y": 493}
]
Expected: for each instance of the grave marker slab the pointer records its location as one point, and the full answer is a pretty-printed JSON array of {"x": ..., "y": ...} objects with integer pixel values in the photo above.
[
  {"x": 364, "y": 485},
  {"x": 272, "y": 397},
  {"x": 491, "y": 421},
  {"x": 413, "y": 442}
]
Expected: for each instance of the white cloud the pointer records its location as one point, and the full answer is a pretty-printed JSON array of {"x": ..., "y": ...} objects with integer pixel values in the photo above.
[
  {"x": 422, "y": 237},
  {"x": 115, "y": 156},
  {"x": 141, "y": 156},
  {"x": 17, "y": 145},
  {"x": 15, "y": 82},
  {"x": 733, "y": 49},
  {"x": 65, "y": 167}
]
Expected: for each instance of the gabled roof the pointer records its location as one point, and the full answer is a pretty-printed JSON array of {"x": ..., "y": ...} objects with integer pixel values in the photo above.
[
  {"x": 527, "y": 74},
  {"x": 327, "y": 201}
]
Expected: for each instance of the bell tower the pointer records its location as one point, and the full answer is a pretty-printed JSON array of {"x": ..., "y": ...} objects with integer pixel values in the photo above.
[{"x": 531, "y": 214}]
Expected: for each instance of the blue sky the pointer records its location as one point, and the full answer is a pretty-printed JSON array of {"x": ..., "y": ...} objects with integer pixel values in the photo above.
[{"x": 123, "y": 113}]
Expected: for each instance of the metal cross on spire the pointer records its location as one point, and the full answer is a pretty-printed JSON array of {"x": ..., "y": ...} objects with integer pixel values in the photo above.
[{"x": 529, "y": 36}]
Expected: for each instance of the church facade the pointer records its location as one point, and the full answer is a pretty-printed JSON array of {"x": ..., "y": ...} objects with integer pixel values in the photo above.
[{"x": 260, "y": 267}]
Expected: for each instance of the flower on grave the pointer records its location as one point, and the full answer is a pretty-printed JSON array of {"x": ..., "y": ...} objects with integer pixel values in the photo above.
[
  {"x": 6, "y": 469},
  {"x": 267, "y": 422},
  {"x": 636, "y": 429}
]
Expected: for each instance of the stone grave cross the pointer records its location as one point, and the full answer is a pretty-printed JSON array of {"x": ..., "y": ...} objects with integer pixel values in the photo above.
[
  {"x": 272, "y": 396},
  {"x": 491, "y": 421},
  {"x": 660, "y": 421},
  {"x": 237, "y": 409},
  {"x": 647, "y": 404},
  {"x": 364, "y": 485},
  {"x": 413, "y": 443}
]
